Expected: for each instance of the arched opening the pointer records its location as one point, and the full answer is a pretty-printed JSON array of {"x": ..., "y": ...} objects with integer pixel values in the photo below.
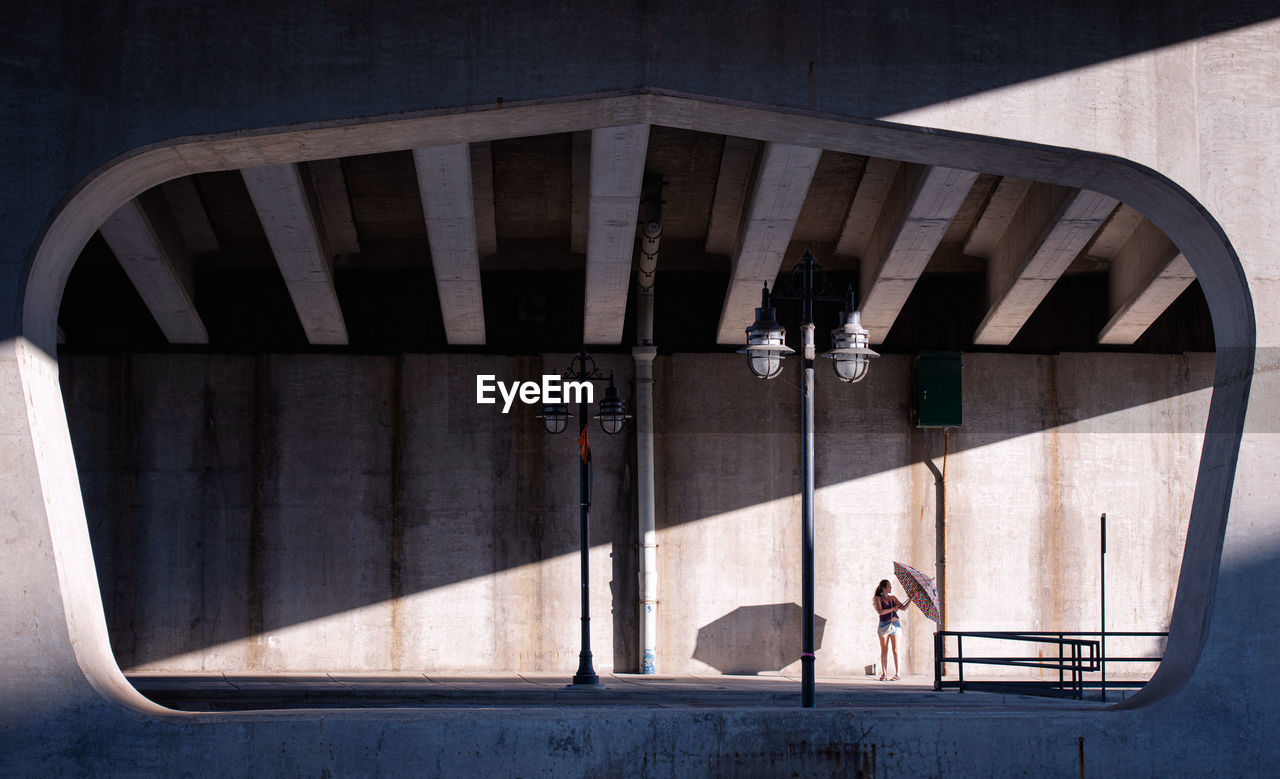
[{"x": 1172, "y": 210}]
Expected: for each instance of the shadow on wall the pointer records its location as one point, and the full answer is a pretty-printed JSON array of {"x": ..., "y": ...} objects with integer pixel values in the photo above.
[
  {"x": 232, "y": 496},
  {"x": 755, "y": 639}
]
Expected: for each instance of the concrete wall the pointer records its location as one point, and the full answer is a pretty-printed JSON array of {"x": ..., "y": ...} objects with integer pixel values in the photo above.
[
  {"x": 1171, "y": 109},
  {"x": 292, "y": 513},
  {"x": 327, "y": 512}
]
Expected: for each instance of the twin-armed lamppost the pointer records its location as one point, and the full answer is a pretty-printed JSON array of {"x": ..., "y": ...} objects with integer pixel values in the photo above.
[
  {"x": 613, "y": 418},
  {"x": 766, "y": 347}
]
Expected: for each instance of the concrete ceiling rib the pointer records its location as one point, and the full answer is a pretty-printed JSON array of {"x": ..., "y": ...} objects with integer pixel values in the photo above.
[
  {"x": 616, "y": 176},
  {"x": 289, "y": 218},
  {"x": 1148, "y": 273},
  {"x": 777, "y": 195},
  {"x": 868, "y": 201},
  {"x": 733, "y": 186},
  {"x": 448, "y": 206},
  {"x": 146, "y": 240},
  {"x": 193, "y": 219},
  {"x": 579, "y": 189},
  {"x": 917, "y": 211},
  {"x": 482, "y": 189},
  {"x": 996, "y": 216},
  {"x": 1049, "y": 230},
  {"x": 334, "y": 206}
]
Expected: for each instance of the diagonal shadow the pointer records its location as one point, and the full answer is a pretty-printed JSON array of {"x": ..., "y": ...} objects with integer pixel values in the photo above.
[
  {"x": 235, "y": 496},
  {"x": 228, "y": 496}
]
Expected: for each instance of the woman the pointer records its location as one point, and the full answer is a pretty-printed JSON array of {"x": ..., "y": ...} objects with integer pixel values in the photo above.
[{"x": 887, "y": 607}]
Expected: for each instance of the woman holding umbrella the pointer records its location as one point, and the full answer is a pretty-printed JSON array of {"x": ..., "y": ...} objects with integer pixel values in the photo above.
[{"x": 887, "y": 607}]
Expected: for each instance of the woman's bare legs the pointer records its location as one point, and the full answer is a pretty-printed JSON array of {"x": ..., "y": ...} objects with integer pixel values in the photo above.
[
  {"x": 894, "y": 641},
  {"x": 884, "y": 655}
]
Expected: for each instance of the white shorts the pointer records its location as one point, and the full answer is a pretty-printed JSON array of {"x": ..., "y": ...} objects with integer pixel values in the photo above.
[{"x": 890, "y": 628}]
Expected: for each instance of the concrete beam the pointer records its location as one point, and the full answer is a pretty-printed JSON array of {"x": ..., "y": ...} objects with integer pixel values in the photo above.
[
  {"x": 777, "y": 196},
  {"x": 193, "y": 219},
  {"x": 1147, "y": 275},
  {"x": 733, "y": 186},
  {"x": 482, "y": 189},
  {"x": 144, "y": 237},
  {"x": 617, "y": 173},
  {"x": 448, "y": 205},
  {"x": 877, "y": 178},
  {"x": 289, "y": 219},
  {"x": 917, "y": 212},
  {"x": 1050, "y": 228},
  {"x": 579, "y": 190},
  {"x": 334, "y": 203},
  {"x": 996, "y": 217},
  {"x": 1115, "y": 233}
]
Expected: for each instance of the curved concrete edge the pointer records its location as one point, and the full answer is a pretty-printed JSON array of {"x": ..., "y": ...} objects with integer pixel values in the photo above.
[
  {"x": 48, "y": 471},
  {"x": 57, "y": 568}
]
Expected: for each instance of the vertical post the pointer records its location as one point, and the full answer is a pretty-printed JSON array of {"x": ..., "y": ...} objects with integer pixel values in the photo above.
[
  {"x": 806, "y": 520},
  {"x": 806, "y": 492},
  {"x": 1102, "y": 620},
  {"x": 937, "y": 660},
  {"x": 586, "y": 674},
  {"x": 648, "y": 532}
]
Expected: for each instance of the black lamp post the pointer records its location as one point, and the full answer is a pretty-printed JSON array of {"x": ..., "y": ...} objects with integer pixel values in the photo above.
[
  {"x": 766, "y": 348},
  {"x": 613, "y": 418}
]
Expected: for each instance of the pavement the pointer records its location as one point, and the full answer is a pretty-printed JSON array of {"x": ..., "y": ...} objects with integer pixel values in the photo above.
[{"x": 271, "y": 691}]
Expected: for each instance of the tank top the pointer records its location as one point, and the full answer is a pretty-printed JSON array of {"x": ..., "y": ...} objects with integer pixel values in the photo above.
[{"x": 884, "y": 603}]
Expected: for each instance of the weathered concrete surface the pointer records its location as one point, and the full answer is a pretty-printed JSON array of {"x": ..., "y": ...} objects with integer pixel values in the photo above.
[
  {"x": 1186, "y": 95},
  {"x": 340, "y": 513}
]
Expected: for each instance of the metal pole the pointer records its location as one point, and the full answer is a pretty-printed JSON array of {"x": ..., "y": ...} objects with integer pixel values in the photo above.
[
  {"x": 806, "y": 494},
  {"x": 586, "y": 674},
  {"x": 1102, "y": 632}
]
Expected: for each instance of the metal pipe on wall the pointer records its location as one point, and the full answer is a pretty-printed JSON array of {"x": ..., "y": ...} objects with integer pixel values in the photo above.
[{"x": 644, "y": 352}]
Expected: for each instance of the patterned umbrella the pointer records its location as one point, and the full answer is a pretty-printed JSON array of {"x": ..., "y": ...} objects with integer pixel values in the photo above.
[{"x": 919, "y": 589}]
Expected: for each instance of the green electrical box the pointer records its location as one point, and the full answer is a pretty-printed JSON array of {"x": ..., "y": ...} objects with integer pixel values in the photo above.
[{"x": 939, "y": 401}]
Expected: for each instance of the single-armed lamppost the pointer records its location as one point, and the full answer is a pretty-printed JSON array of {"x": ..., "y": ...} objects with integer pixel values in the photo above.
[
  {"x": 613, "y": 417},
  {"x": 766, "y": 347}
]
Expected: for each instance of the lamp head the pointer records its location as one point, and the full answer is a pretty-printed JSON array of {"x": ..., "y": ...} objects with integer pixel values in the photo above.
[{"x": 766, "y": 341}]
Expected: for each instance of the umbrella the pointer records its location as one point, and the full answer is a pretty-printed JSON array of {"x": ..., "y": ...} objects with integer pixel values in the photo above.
[{"x": 919, "y": 589}]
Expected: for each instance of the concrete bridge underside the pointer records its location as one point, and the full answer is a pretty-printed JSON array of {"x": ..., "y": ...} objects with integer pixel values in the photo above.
[{"x": 1138, "y": 104}]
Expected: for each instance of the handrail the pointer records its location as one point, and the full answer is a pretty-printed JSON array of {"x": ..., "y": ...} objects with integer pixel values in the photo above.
[{"x": 1076, "y": 657}]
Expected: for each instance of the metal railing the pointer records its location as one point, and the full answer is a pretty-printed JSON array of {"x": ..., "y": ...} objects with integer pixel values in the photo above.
[{"x": 1078, "y": 653}]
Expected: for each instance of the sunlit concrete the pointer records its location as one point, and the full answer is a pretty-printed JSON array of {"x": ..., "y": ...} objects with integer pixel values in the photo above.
[{"x": 1169, "y": 114}]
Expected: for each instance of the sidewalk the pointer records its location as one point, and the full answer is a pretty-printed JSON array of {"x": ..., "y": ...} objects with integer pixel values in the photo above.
[{"x": 259, "y": 691}]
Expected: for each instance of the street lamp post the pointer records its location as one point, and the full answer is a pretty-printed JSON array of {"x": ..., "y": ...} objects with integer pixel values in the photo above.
[
  {"x": 766, "y": 348},
  {"x": 612, "y": 418}
]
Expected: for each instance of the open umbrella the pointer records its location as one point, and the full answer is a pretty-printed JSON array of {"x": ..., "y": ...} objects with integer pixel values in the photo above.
[{"x": 919, "y": 589}]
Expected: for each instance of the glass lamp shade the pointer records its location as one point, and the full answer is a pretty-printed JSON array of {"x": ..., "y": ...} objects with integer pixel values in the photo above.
[
  {"x": 555, "y": 417},
  {"x": 766, "y": 342},
  {"x": 850, "y": 353},
  {"x": 613, "y": 412}
]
